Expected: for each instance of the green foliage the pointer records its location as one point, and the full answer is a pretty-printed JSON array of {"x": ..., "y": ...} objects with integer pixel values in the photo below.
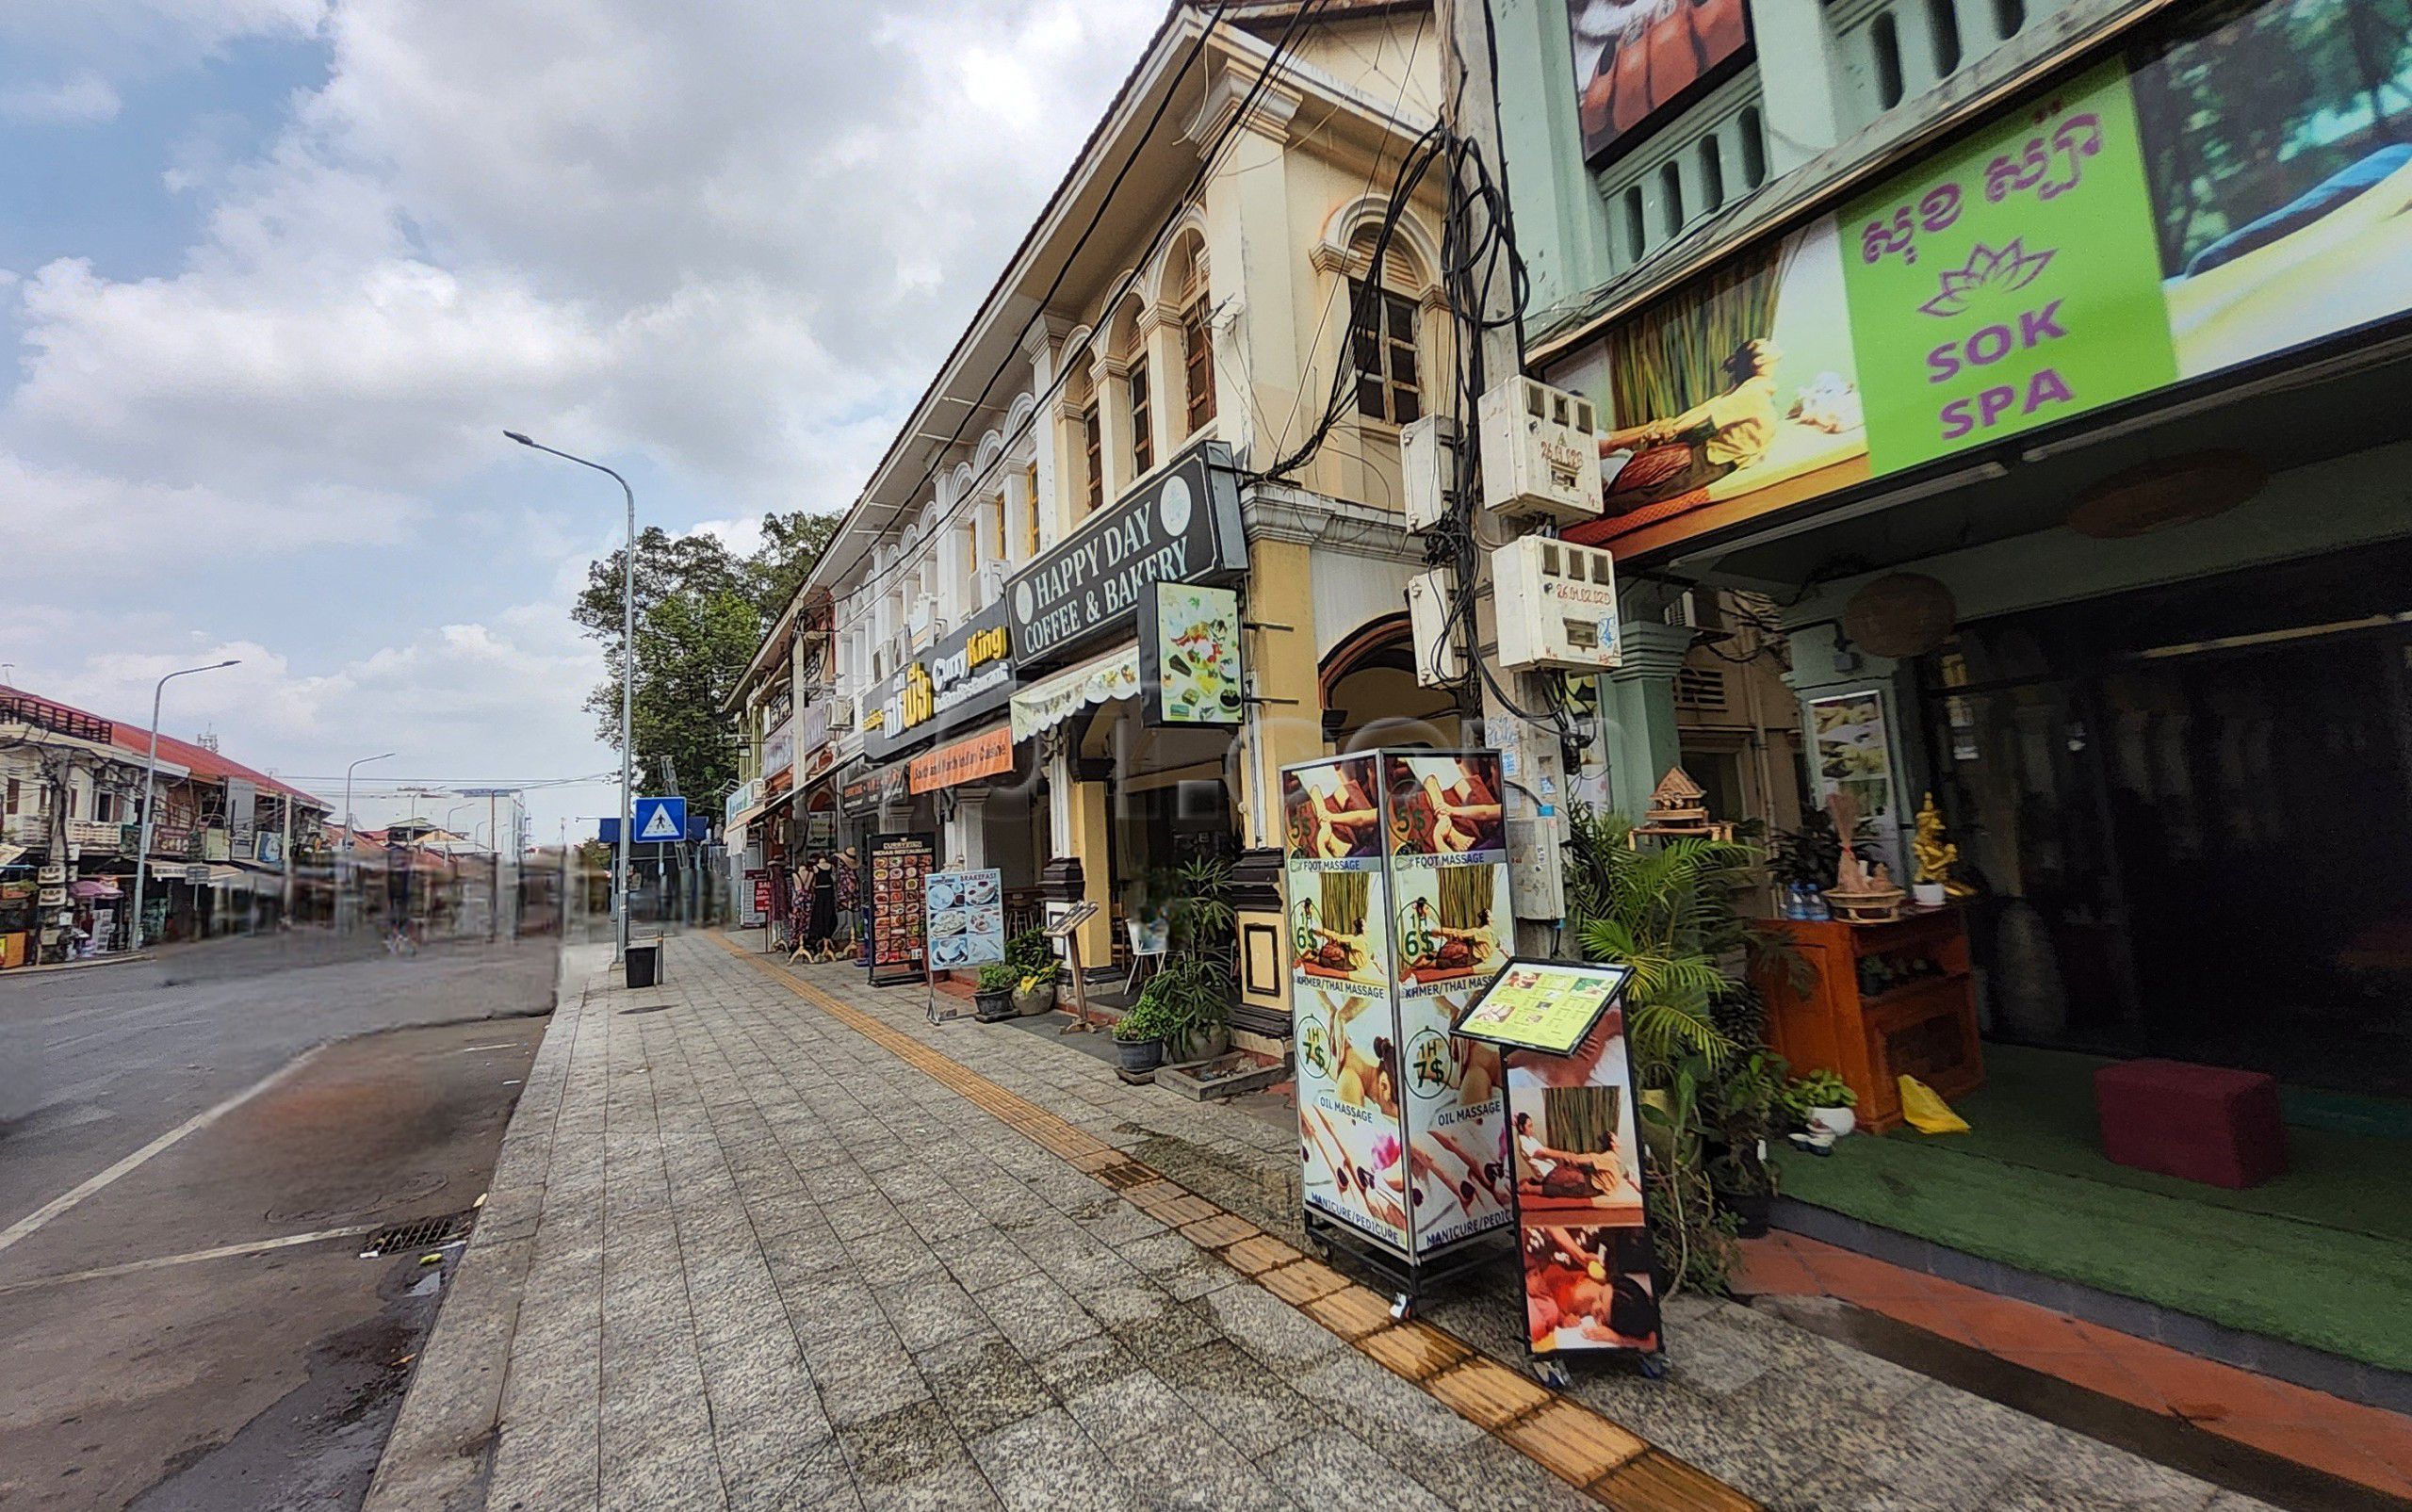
[
  {"x": 701, "y": 612},
  {"x": 1741, "y": 1107},
  {"x": 1032, "y": 953},
  {"x": 1195, "y": 986},
  {"x": 1819, "y": 1089},
  {"x": 1671, "y": 911},
  {"x": 1147, "y": 1019},
  {"x": 999, "y": 976},
  {"x": 1695, "y": 1241}
]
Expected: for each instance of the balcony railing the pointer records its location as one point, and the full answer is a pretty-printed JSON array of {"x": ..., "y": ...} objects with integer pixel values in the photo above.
[{"x": 25, "y": 709}]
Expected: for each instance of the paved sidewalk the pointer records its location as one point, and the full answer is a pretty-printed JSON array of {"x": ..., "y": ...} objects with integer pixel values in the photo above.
[{"x": 768, "y": 1239}]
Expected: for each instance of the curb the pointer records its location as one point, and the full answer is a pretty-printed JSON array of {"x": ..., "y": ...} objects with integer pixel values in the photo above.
[{"x": 440, "y": 1455}]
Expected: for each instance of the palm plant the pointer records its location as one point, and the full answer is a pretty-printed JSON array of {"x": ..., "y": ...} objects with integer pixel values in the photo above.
[{"x": 1669, "y": 914}]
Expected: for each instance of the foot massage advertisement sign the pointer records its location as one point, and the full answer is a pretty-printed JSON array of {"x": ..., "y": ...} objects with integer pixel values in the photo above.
[
  {"x": 1581, "y": 1229},
  {"x": 2232, "y": 187},
  {"x": 1396, "y": 877}
]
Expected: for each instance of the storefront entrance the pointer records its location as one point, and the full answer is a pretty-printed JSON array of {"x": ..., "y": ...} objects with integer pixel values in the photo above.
[{"x": 2189, "y": 810}]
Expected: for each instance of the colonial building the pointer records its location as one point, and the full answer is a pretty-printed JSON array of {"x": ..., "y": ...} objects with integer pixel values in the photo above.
[
  {"x": 225, "y": 840},
  {"x": 965, "y": 659}
]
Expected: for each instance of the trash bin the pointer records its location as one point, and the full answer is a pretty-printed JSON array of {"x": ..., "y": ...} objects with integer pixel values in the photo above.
[{"x": 645, "y": 964}]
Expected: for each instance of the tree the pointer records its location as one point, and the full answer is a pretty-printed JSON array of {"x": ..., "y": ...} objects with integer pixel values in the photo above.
[{"x": 701, "y": 612}]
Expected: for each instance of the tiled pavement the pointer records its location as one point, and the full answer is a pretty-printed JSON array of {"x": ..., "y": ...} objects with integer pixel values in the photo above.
[
  {"x": 2347, "y": 1440},
  {"x": 771, "y": 1241}
]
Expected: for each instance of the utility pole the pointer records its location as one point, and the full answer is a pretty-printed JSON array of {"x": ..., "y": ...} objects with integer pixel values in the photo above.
[
  {"x": 1536, "y": 788},
  {"x": 628, "y": 695},
  {"x": 150, "y": 782}
]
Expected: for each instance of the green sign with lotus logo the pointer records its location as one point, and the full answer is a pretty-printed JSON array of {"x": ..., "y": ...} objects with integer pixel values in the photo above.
[{"x": 2010, "y": 283}]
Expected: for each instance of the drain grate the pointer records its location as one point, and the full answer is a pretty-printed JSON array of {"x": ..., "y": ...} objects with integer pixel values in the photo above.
[{"x": 418, "y": 1234}]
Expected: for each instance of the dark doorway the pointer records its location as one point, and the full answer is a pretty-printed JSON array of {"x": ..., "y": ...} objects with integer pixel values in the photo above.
[{"x": 2190, "y": 808}]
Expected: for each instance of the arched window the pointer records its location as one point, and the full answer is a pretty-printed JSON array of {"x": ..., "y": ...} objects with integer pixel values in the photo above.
[
  {"x": 1184, "y": 288},
  {"x": 1385, "y": 326},
  {"x": 1712, "y": 176},
  {"x": 1885, "y": 42},
  {"x": 1754, "y": 148},
  {"x": 1079, "y": 402}
]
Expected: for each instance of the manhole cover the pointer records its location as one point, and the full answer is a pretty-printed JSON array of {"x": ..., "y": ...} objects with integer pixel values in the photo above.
[
  {"x": 417, "y": 1234},
  {"x": 650, "y": 1008}
]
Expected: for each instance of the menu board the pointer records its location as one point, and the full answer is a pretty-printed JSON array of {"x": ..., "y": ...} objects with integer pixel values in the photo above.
[
  {"x": 966, "y": 918},
  {"x": 1396, "y": 872},
  {"x": 1544, "y": 1005},
  {"x": 895, "y": 867}
]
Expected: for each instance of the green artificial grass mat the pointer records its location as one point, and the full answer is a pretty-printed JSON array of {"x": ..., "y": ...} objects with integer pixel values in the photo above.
[{"x": 2322, "y": 1256}]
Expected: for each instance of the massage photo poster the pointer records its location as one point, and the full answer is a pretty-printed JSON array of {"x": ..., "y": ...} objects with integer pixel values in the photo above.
[
  {"x": 1396, "y": 867},
  {"x": 1583, "y": 1232},
  {"x": 1349, "y": 1133}
]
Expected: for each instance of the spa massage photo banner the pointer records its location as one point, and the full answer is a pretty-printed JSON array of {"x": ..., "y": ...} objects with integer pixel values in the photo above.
[
  {"x": 2233, "y": 186},
  {"x": 1397, "y": 892}
]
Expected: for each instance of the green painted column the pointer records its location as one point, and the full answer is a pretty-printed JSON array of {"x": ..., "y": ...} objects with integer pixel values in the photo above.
[{"x": 1637, "y": 735}]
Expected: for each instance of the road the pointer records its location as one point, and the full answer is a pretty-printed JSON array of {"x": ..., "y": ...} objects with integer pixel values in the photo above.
[{"x": 268, "y": 1099}]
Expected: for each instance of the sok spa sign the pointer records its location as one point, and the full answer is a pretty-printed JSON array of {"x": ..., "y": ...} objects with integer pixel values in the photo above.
[{"x": 1182, "y": 526}]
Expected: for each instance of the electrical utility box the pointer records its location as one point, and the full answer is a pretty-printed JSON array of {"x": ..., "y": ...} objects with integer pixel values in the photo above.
[
  {"x": 1427, "y": 455},
  {"x": 1437, "y": 661},
  {"x": 1556, "y": 606},
  {"x": 1540, "y": 453}
]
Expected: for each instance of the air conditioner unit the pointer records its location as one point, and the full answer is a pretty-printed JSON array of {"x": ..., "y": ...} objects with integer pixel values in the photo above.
[
  {"x": 841, "y": 712},
  {"x": 1427, "y": 452},
  {"x": 1541, "y": 455},
  {"x": 992, "y": 582},
  {"x": 1556, "y": 606},
  {"x": 1438, "y": 663}
]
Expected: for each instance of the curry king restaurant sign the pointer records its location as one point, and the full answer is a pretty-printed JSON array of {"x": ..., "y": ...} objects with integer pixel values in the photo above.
[
  {"x": 1182, "y": 526},
  {"x": 968, "y": 674}
]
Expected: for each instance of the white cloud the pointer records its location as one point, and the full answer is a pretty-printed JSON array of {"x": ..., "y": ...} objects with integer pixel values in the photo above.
[
  {"x": 723, "y": 244},
  {"x": 79, "y": 100}
]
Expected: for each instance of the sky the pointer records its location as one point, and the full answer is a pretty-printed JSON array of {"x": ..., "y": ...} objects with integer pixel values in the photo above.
[{"x": 275, "y": 276}]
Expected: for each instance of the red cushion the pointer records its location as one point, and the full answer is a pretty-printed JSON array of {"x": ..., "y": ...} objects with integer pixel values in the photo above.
[{"x": 2200, "y": 1123}]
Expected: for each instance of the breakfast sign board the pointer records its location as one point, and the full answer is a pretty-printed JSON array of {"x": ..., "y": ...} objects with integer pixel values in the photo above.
[{"x": 1396, "y": 871}]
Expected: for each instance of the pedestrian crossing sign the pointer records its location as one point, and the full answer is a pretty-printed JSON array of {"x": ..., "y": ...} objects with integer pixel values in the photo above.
[{"x": 661, "y": 818}]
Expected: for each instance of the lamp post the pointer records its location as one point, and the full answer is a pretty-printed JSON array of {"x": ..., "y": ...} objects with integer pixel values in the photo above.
[
  {"x": 150, "y": 779},
  {"x": 350, "y": 839},
  {"x": 627, "y": 693}
]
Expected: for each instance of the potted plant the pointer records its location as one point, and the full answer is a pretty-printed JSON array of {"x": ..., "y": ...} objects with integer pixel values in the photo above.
[
  {"x": 1032, "y": 957},
  {"x": 1820, "y": 1104},
  {"x": 1742, "y": 1107},
  {"x": 1034, "y": 993},
  {"x": 1139, "y": 1036},
  {"x": 1194, "y": 989},
  {"x": 993, "y": 1000}
]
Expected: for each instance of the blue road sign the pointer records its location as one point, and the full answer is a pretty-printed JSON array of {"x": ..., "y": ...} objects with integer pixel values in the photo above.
[
  {"x": 660, "y": 818},
  {"x": 607, "y": 830}
]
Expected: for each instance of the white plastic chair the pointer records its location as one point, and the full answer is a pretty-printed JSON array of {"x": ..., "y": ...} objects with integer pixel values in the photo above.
[{"x": 1148, "y": 949}]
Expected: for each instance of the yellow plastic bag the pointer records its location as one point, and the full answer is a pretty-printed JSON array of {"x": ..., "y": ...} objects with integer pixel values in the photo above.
[{"x": 1926, "y": 1113}]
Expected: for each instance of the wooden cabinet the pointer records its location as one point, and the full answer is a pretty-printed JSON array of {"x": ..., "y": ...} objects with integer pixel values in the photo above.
[{"x": 1889, "y": 999}]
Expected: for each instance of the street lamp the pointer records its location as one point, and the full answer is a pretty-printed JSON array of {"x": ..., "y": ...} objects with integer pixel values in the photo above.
[
  {"x": 150, "y": 778},
  {"x": 351, "y": 838},
  {"x": 627, "y": 693}
]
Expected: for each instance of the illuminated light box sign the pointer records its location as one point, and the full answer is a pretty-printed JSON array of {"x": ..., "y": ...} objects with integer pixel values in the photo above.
[{"x": 2200, "y": 203}]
